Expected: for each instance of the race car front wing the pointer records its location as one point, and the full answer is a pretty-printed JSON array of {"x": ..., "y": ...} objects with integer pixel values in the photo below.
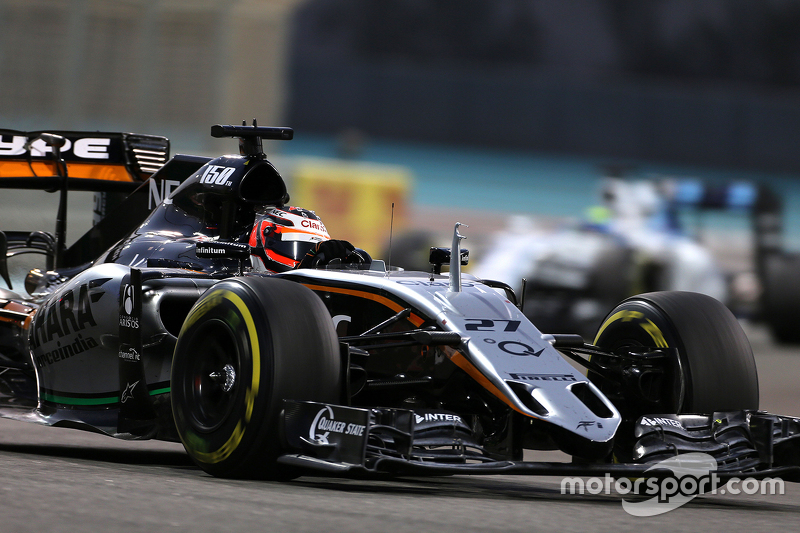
[{"x": 360, "y": 442}]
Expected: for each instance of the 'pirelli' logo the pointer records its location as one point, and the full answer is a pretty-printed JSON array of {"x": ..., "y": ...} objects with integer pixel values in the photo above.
[{"x": 542, "y": 377}]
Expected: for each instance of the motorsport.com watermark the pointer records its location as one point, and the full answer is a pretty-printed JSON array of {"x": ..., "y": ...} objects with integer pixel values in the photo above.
[{"x": 693, "y": 474}]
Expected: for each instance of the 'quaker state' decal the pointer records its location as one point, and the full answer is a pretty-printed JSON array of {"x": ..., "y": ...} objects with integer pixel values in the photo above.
[{"x": 343, "y": 430}]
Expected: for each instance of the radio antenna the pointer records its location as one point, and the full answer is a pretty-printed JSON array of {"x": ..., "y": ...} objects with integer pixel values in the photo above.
[{"x": 391, "y": 230}]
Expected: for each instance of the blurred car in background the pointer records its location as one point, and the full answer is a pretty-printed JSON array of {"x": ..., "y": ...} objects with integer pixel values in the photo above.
[
  {"x": 637, "y": 242},
  {"x": 631, "y": 244}
]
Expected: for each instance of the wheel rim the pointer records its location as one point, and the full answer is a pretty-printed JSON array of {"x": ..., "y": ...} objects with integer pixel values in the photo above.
[
  {"x": 640, "y": 338},
  {"x": 213, "y": 376},
  {"x": 651, "y": 383}
]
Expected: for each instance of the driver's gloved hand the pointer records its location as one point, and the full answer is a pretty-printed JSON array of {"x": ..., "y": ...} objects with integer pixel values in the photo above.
[{"x": 326, "y": 251}]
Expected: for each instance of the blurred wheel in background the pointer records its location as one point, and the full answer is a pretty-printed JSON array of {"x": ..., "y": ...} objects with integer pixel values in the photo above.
[{"x": 781, "y": 297}]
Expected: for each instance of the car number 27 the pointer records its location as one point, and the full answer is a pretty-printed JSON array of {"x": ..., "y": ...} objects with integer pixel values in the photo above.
[{"x": 485, "y": 324}]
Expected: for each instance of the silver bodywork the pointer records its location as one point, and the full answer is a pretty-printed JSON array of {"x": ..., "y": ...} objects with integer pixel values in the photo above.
[{"x": 521, "y": 356}]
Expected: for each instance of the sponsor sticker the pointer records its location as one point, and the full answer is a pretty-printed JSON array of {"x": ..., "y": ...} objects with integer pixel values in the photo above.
[
  {"x": 65, "y": 316},
  {"x": 436, "y": 417},
  {"x": 129, "y": 353},
  {"x": 64, "y": 352},
  {"x": 660, "y": 421},
  {"x": 127, "y": 394},
  {"x": 542, "y": 377},
  {"x": 325, "y": 423},
  {"x": 519, "y": 348},
  {"x": 334, "y": 433}
]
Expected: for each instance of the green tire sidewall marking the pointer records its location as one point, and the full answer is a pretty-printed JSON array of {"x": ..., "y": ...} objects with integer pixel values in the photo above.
[{"x": 195, "y": 444}]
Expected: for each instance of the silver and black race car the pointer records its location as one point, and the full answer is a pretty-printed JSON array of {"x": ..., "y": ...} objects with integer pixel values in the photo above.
[{"x": 157, "y": 325}]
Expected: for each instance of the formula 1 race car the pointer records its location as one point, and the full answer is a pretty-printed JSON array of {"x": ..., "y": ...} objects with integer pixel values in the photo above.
[
  {"x": 164, "y": 323},
  {"x": 638, "y": 241}
]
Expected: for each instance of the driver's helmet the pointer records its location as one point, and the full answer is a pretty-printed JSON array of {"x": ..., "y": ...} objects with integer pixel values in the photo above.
[{"x": 282, "y": 236}]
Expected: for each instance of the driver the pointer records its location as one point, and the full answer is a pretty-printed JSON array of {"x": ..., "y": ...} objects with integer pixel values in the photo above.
[{"x": 287, "y": 237}]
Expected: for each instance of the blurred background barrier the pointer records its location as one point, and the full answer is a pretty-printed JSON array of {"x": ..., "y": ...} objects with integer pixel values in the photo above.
[
  {"x": 708, "y": 82},
  {"x": 172, "y": 66},
  {"x": 355, "y": 198}
]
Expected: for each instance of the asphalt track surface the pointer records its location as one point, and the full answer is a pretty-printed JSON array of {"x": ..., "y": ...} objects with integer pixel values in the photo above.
[{"x": 55, "y": 480}]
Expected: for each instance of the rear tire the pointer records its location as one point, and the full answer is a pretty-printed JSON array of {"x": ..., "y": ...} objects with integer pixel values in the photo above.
[
  {"x": 718, "y": 369},
  {"x": 246, "y": 345}
]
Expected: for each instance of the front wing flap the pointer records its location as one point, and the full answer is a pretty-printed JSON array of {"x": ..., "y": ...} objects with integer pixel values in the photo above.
[{"x": 359, "y": 442}]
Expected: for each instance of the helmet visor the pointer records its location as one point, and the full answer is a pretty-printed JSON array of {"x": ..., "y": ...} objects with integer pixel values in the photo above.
[{"x": 292, "y": 245}]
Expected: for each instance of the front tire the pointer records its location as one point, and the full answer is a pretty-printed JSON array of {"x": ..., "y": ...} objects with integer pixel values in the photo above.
[
  {"x": 247, "y": 344},
  {"x": 718, "y": 371}
]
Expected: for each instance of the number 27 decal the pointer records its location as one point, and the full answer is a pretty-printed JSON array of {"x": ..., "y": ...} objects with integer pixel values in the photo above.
[{"x": 484, "y": 324}]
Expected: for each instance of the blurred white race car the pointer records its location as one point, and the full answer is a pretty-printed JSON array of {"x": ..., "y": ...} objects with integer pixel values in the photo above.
[{"x": 631, "y": 244}]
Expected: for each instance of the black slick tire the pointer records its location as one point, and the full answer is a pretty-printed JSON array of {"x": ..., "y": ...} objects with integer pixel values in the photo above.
[
  {"x": 718, "y": 371},
  {"x": 246, "y": 345}
]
